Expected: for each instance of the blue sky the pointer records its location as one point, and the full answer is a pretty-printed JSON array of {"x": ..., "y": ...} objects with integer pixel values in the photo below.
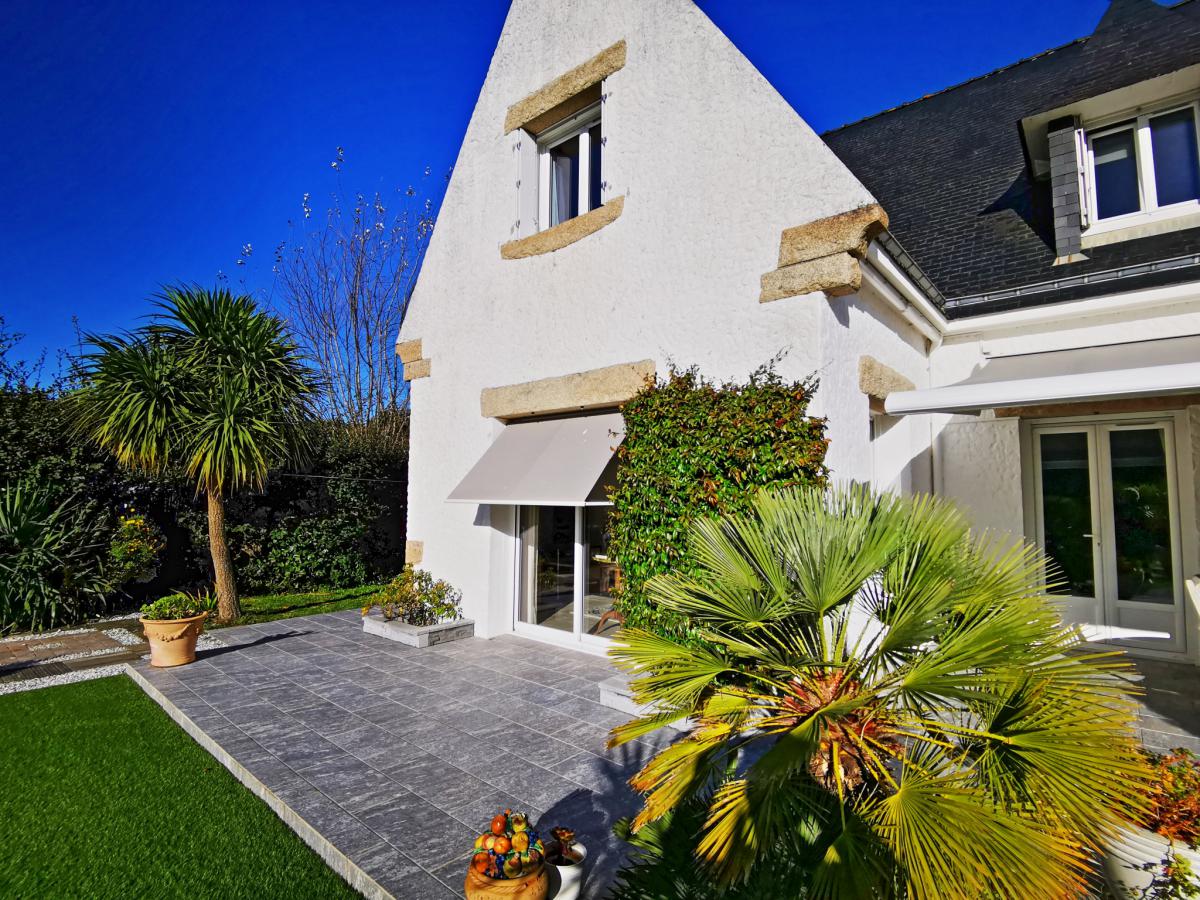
[{"x": 143, "y": 143}]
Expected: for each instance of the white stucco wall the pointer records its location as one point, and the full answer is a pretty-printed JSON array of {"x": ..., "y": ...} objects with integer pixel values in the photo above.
[{"x": 713, "y": 164}]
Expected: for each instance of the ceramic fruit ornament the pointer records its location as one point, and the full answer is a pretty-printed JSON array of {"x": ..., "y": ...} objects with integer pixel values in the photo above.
[{"x": 509, "y": 849}]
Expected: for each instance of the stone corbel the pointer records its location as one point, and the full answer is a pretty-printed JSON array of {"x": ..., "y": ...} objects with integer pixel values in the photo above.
[
  {"x": 824, "y": 255},
  {"x": 415, "y": 366}
]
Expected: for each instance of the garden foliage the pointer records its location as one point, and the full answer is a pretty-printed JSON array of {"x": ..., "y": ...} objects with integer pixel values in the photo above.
[
  {"x": 884, "y": 698},
  {"x": 339, "y": 522},
  {"x": 695, "y": 449},
  {"x": 182, "y": 605},
  {"x": 415, "y": 597},
  {"x": 51, "y": 568}
]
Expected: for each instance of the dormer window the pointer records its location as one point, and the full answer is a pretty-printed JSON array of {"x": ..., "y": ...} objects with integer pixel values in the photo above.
[
  {"x": 569, "y": 168},
  {"x": 1144, "y": 167}
]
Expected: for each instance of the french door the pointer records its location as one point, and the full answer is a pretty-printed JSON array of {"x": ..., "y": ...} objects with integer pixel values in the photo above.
[
  {"x": 565, "y": 576},
  {"x": 1108, "y": 515}
]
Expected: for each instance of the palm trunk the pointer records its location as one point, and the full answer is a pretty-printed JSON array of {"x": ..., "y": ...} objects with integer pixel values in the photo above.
[{"x": 228, "y": 607}]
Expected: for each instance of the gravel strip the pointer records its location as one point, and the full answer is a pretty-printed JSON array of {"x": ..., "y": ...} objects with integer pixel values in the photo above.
[
  {"x": 123, "y": 636},
  {"x": 67, "y": 657},
  {"x": 32, "y": 684},
  {"x": 43, "y": 635}
]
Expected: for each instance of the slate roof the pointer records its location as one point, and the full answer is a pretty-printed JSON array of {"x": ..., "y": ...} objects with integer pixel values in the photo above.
[{"x": 952, "y": 172}]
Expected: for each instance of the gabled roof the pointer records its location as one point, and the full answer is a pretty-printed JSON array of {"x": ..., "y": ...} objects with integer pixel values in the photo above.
[{"x": 952, "y": 172}]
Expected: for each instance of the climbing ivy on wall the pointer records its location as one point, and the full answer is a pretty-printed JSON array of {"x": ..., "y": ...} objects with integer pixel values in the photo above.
[{"x": 696, "y": 448}]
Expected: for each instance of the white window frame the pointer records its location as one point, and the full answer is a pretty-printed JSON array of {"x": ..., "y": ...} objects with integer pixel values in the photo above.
[
  {"x": 576, "y": 638},
  {"x": 1150, "y": 210},
  {"x": 1182, "y": 489},
  {"x": 578, "y": 125}
]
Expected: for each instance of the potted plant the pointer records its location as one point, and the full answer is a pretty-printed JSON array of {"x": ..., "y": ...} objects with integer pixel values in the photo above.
[
  {"x": 566, "y": 856},
  {"x": 1160, "y": 860},
  {"x": 508, "y": 861},
  {"x": 173, "y": 623},
  {"x": 418, "y": 610}
]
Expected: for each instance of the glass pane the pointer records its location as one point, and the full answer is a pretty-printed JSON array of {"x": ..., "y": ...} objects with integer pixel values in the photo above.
[
  {"x": 594, "y": 168},
  {"x": 564, "y": 181},
  {"x": 1176, "y": 169},
  {"x": 1142, "y": 516},
  {"x": 603, "y": 575},
  {"x": 548, "y": 566},
  {"x": 1067, "y": 512},
  {"x": 1116, "y": 174}
]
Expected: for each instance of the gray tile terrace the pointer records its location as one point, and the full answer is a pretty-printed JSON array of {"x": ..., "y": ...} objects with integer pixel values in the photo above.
[{"x": 390, "y": 760}]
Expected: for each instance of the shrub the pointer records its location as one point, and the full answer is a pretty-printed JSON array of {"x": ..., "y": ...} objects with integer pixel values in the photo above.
[
  {"x": 416, "y": 598},
  {"x": 885, "y": 698},
  {"x": 50, "y": 570},
  {"x": 134, "y": 549},
  {"x": 338, "y": 523},
  {"x": 180, "y": 606},
  {"x": 695, "y": 449},
  {"x": 1175, "y": 796}
]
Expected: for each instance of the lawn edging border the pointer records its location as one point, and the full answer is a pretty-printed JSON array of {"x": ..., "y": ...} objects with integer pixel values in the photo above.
[{"x": 317, "y": 842}]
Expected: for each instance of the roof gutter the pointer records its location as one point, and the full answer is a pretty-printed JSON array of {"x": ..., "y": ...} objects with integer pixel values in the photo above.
[
  {"x": 1074, "y": 310},
  {"x": 893, "y": 284}
]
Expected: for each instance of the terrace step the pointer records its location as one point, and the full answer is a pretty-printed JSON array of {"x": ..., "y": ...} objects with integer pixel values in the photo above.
[{"x": 615, "y": 693}]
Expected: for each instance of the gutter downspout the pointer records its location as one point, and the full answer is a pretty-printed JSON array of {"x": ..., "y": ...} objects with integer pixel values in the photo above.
[{"x": 891, "y": 282}]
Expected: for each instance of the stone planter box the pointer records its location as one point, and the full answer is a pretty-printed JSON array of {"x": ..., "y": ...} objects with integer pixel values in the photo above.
[{"x": 418, "y": 635}]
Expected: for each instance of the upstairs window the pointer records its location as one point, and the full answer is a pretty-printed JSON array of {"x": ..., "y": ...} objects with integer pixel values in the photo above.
[
  {"x": 1145, "y": 166},
  {"x": 570, "y": 165}
]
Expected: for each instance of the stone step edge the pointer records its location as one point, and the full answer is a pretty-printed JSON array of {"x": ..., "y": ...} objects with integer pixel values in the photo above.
[
  {"x": 350, "y": 872},
  {"x": 615, "y": 693}
]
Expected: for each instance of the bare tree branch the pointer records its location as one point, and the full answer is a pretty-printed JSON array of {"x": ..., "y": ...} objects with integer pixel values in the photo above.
[{"x": 345, "y": 284}]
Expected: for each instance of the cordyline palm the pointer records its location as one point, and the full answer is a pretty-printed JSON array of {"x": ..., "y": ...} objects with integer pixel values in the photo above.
[
  {"x": 211, "y": 385},
  {"x": 886, "y": 698}
]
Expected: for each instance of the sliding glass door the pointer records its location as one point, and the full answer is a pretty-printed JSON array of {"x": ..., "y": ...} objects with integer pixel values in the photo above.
[
  {"x": 566, "y": 577},
  {"x": 1108, "y": 516}
]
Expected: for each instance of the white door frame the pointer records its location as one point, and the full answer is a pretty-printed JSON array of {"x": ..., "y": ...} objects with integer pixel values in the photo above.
[
  {"x": 1181, "y": 484},
  {"x": 575, "y": 639}
]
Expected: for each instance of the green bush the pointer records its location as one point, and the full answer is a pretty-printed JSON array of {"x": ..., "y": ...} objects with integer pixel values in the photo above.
[
  {"x": 134, "y": 549},
  {"x": 415, "y": 597},
  {"x": 50, "y": 560},
  {"x": 692, "y": 449},
  {"x": 182, "y": 605},
  {"x": 339, "y": 523}
]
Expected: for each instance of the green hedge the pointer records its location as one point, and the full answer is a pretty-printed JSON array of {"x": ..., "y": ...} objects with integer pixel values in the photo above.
[
  {"x": 696, "y": 448},
  {"x": 337, "y": 523}
]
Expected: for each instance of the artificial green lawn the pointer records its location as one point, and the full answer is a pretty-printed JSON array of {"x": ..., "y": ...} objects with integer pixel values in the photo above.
[
  {"x": 104, "y": 796},
  {"x": 266, "y": 607}
]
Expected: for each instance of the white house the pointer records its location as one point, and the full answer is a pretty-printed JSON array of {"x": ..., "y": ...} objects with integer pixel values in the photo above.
[{"x": 996, "y": 285}]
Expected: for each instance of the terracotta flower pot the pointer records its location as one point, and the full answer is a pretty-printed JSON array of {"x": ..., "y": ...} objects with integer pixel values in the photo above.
[
  {"x": 173, "y": 641},
  {"x": 533, "y": 886},
  {"x": 1135, "y": 857}
]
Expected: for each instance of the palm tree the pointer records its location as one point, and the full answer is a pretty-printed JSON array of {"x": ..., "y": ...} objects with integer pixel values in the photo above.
[
  {"x": 887, "y": 699},
  {"x": 213, "y": 386}
]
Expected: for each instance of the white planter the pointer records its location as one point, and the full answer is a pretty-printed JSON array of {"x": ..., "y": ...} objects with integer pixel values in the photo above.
[
  {"x": 1135, "y": 857},
  {"x": 418, "y": 635},
  {"x": 566, "y": 882}
]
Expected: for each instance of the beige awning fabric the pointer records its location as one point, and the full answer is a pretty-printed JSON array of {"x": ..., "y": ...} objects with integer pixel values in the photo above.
[
  {"x": 554, "y": 462},
  {"x": 1137, "y": 369}
]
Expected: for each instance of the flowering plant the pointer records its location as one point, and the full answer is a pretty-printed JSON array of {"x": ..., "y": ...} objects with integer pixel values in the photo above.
[
  {"x": 134, "y": 549},
  {"x": 1175, "y": 796}
]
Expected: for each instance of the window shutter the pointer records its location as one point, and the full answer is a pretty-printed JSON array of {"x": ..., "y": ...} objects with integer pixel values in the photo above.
[{"x": 1085, "y": 194}]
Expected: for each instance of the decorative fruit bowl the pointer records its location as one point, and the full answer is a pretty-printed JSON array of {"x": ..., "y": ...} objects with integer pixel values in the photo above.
[{"x": 508, "y": 861}]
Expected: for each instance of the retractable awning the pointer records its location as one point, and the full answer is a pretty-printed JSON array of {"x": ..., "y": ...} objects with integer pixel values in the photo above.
[
  {"x": 1137, "y": 369},
  {"x": 555, "y": 462}
]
